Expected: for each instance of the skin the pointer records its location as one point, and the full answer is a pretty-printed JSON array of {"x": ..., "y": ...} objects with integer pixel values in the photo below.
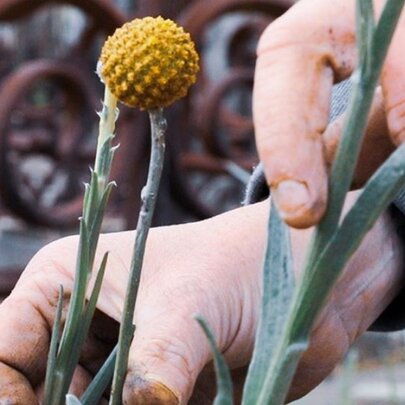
[
  {"x": 213, "y": 267},
  {"x": 220, "y": 280},
  {"x": 300, "y": 56}
]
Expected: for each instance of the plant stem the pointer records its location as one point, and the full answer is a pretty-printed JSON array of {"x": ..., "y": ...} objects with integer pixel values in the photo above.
[
  {"x": 148, "y": 196},
  {"x": 95, "y": 199}
]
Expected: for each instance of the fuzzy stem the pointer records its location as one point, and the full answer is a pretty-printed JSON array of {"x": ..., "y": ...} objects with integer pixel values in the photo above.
[{"x": 148, "y": 196}]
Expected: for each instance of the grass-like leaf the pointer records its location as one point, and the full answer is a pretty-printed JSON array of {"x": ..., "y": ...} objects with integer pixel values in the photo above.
[
  {"x": 53, "y": 350},
  {"x": 378, "y": 193},
  {"x": 91, "y": 195},
  {"x": 278, "y": 289},
  {"x": 365, "y": 80},
  {"x": 106, "y": 156},
  {"x": 224, "y": 381},
  {"x": 334, "y": 244},
  {"x": 376, "y": 196},
  {"x": 91, "y": 306},
  {"x": 97, "y": 218},
  {"x": 79, "y": 315},
  {"x": 386, "y": 27},
  {"x": 85, "y": 321},
  {"x": 280, "y": 374},
  {"x": 365, "y": 25},
  {"x": 79, "y": 292},
  {"x": 95, "y": 390}
]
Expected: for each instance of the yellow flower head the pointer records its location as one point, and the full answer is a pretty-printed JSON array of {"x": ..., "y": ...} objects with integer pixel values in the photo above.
[{"x": 149, "y": 63}]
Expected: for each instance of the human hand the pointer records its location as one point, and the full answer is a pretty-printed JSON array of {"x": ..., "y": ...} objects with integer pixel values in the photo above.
[
  {"x": 300, "y": 56},
  {"x": 211, "y": 267}
]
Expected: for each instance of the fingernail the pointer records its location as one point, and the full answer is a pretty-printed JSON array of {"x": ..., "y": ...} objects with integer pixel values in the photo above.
[
  {"x": 294, "y": 204},
  {"x": 291, "y": 196},
  {"x": 141, "y": 390}
]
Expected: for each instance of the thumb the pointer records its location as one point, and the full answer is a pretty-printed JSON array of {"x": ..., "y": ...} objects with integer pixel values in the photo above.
[
  {"x": 196, "y": 268},
  {"x": 165, "y": 360}
]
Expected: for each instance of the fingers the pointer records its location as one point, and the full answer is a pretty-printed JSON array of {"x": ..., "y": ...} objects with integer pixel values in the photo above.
[
  {"x": 393, "y": 83},
  {"x": 169, "y": 349},
  {"x": 377, "y": 145},
  {"x": 299, "y": 57},
  {"x": 26, "y": 318},
  {"x": 15, "y": 388},
  {"x": 27, "y": 315},
  {"x": 203, "y": 271},
  {"x": 370, "y": 281}
]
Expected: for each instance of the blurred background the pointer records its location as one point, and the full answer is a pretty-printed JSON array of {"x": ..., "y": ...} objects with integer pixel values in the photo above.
[{"x": 49, "y": 94}]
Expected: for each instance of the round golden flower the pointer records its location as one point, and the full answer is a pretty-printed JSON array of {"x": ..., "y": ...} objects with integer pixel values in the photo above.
[{"x": 149, "y": 63}]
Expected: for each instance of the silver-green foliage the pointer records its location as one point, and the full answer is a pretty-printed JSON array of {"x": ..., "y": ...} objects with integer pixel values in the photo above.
[{"x": 64, "y": 351}]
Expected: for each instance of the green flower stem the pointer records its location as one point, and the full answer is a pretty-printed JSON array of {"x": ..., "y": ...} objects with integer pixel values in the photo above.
[
  {"x": 148, "y": 196},
  {"x": 108, "y": 116},
  {"x": 77, "y": 321}
]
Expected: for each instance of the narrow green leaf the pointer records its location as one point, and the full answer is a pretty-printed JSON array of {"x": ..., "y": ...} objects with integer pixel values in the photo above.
[
  {"x": 275, "y": 388},
  {"x": 386, "y": 27},
  {"x": 95, "y": 390},
  {"x": 278, "y": 290},
  {"x": 106, "y": 156},
  {"x": 333, "y": 244},
  {"x": 378, "y": 193},
  {"x": 86, "y": 197},
  {"x": 85, "y": 322},
  {"x": 95, "y": 225},
  {"x": 365, "y": 29},
  {"x": 53, "y": 349},
  {"x": 224, "y": 381},
  {"x": 72, "y": 400},
  {"x": 79, "y": 290},
  {"x": 91, "y": 197},
  {"x": 349, "y": 147},
  {"x": 91, "y": 306}
]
